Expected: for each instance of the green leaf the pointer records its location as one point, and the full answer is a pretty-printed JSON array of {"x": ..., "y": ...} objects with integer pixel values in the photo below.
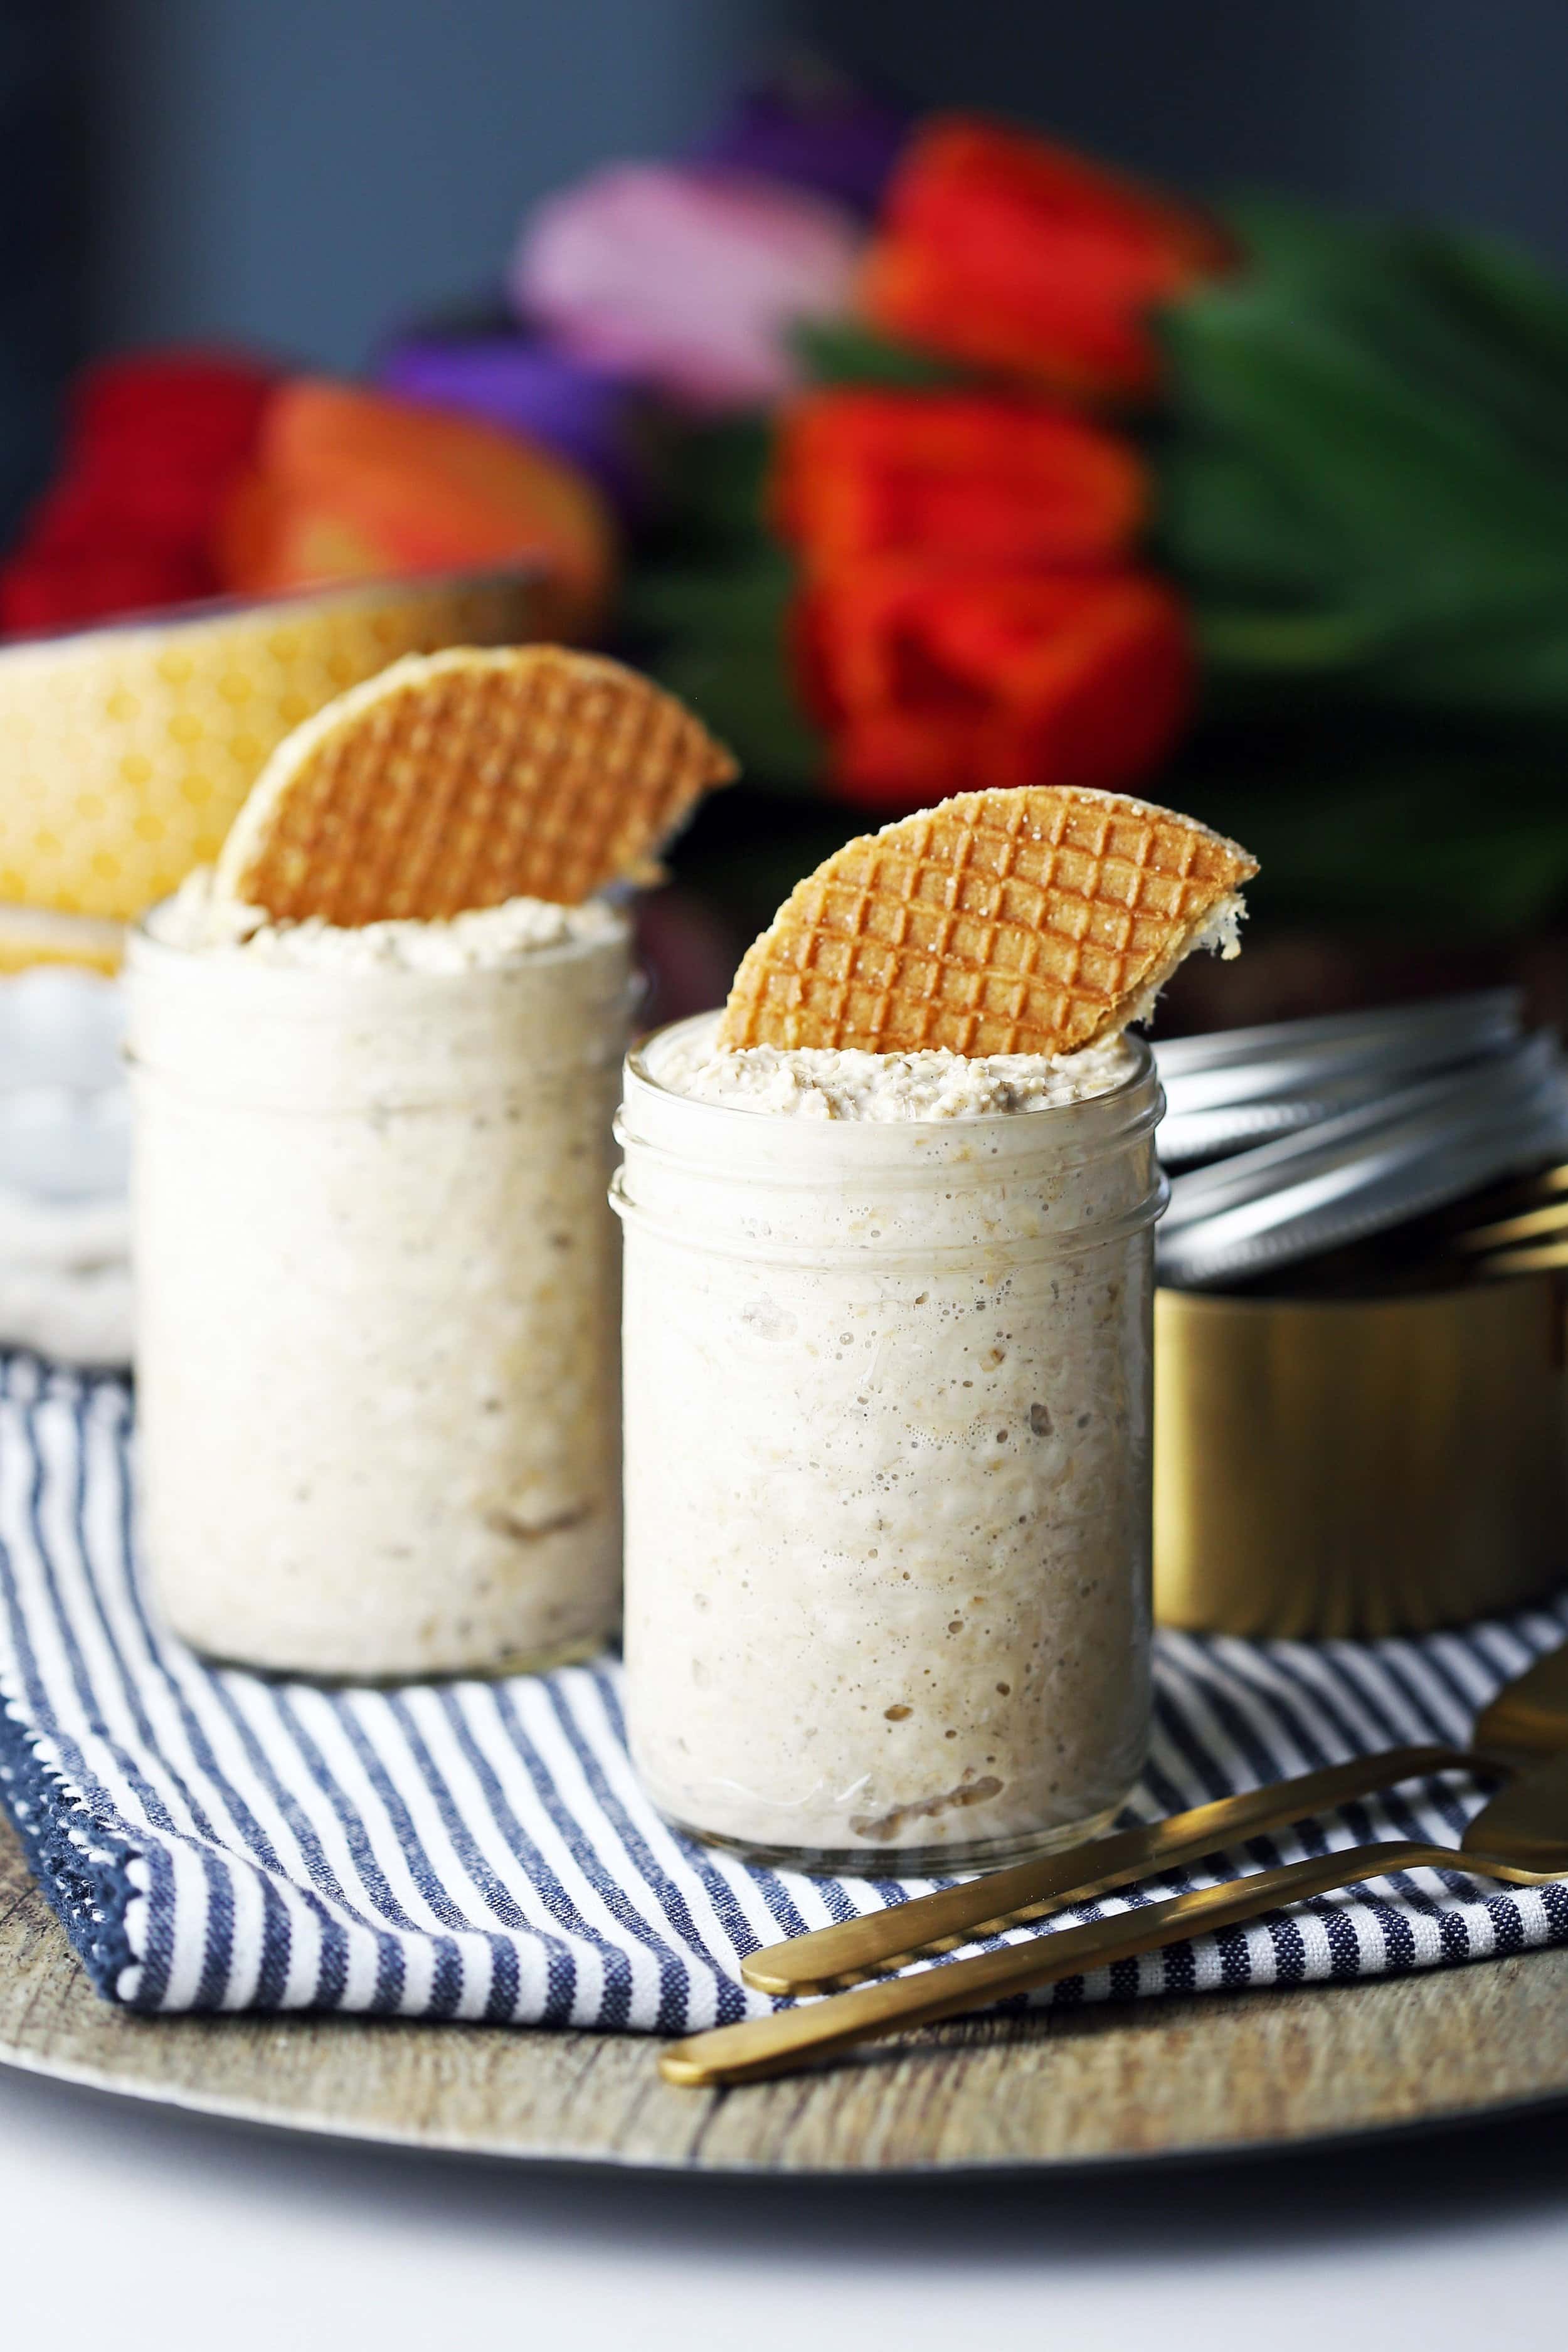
[
  {"x": 717, "y": 638},
  {"x": 717, "y": 489},
  {"x": 1433, "y": 830},
  {"x": 1246, "y": 530},
  {"x": 843, "y": 350},
  {"x": 1365, "y": 476}
]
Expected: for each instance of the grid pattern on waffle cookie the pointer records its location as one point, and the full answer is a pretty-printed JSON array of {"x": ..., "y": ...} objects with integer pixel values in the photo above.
[
  {"x": 536, "y": 773},
  {"x": 1013, "y": 922}
]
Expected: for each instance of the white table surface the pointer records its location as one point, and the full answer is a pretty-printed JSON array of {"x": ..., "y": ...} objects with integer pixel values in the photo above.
[{"x": 132, "y": 2227}]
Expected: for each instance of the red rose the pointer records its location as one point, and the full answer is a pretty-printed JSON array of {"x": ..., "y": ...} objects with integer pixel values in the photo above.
[
  {"x": 44, "y": 591},
  {"x": 985, "y": 477},
  {"x": 204, "y": 407},
  {"x": 154, "y": 445},
  {"x": 933, "y": 680},
  {"x": 999, "y": 248}
]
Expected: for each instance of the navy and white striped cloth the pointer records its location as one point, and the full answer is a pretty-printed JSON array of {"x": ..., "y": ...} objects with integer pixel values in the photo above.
[{"x": 215, "y": 1840}]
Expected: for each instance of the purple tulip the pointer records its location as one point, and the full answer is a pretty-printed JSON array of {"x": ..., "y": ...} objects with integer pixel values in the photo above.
[
  {"x": 689, "y": 279},
  {"x": 815, "y": 131},
  {"x": 593, "y": 415}
]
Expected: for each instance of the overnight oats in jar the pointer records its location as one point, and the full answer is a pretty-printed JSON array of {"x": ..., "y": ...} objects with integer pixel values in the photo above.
[
  {"x": 374, "y": 1060},
  {"x": 377, "y": 1286},
  {"x": 887, "y": 1344},
  {"x": 888, "y": 1448}
]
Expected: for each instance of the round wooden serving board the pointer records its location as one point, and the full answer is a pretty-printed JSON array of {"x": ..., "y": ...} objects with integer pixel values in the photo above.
[{"x": 1163, "y": 2079}]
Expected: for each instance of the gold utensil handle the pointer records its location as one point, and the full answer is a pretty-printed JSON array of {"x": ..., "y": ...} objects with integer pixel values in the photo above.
[
  {"x": 779, "y": 2044},
  {"x": 884, "y": 1940}
]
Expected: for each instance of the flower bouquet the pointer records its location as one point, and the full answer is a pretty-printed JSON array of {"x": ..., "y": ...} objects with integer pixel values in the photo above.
[
  {"x": 922, "y": 454},
  {"x": 1086, "y": 485}
]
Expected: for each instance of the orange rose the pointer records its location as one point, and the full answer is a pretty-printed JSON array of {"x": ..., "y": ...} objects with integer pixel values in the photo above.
[
  {"x": 932, "y": 679},
  {"x": 351, "y": 485},
  {"x": 985, "y": 477},
  {"x": 999, "y": 248}
]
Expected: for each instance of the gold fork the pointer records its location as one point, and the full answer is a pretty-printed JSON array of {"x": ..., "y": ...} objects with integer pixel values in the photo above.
[
  {"x": 1527, "y": 1718},
  {"x": 1520, "y": 1837}
]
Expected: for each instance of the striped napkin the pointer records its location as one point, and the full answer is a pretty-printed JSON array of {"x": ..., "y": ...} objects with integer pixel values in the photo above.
[{"x": 215, "y": 1840}]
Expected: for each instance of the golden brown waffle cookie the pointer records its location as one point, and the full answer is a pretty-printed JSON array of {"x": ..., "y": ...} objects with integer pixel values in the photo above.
[
  {"x": 467, "y": 778},
  {"x": 1007, "y": 922}
]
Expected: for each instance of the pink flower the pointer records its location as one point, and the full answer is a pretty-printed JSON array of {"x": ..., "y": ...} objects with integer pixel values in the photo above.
[{"x": 689, "y": 279}]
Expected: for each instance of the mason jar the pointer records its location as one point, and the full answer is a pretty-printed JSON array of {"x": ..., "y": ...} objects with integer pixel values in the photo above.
[
  {"x": 377, "y": 1289},
  {"x": 887, "y": 1471}
]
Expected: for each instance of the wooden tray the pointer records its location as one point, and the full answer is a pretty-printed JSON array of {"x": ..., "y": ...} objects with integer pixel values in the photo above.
[{"x": 1163, "y": 2079}]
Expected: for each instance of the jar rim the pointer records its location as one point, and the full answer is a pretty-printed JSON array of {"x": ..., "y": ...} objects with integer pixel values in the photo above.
[{"x": 1128, "y": 1095}]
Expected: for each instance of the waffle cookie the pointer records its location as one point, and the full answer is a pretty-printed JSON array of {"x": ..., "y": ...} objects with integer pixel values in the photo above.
[
  {"x": 1035, "y": 921},
  {"x": 465, "y": 779}
]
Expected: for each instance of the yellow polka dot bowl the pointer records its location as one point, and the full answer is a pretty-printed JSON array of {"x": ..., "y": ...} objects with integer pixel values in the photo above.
[{"x": 126, "y": 750}]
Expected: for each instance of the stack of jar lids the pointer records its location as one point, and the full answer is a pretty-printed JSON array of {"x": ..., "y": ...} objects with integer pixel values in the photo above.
[{"x": 1321, "y": 1133}]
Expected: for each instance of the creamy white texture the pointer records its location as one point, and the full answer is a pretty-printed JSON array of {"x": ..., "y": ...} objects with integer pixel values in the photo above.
[
  {"x": 844, "y": 1084},
  {"x": 887, "y": 1470},
  {"x": 484, "y": 939},
  {"x": 378, "y": 1298}
]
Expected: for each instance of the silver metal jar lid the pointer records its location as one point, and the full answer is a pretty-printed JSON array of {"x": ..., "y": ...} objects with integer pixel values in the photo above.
[
  {"x": 1244, "y": 1087},
  {"x": 1369, "y": 1168}
]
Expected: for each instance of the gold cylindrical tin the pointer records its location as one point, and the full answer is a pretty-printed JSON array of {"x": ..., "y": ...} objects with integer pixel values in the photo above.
[{"x": 1362, "y": 1466}]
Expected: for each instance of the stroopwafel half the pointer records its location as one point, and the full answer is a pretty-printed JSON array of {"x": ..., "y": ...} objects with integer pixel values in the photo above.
[
  {"x": 1031, "y": 922},
  {"x": 462, "y": 778}
]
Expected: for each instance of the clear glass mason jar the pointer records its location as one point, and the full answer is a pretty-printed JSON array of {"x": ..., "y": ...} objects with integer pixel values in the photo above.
[
  {"x": 887, "y": 1472},
  {"x": 378, "y": 1306}
]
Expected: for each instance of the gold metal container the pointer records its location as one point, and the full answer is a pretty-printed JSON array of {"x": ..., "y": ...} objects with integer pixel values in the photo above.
[{"x": 1359, "y": 1467}]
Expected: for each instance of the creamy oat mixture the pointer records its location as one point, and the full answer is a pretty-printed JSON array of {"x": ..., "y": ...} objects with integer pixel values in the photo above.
[
  {"x": 378, "y": 1283},
  {"x": 482, "y": 941},
  {"x": 830, "y": 1083},
  {"x": 886, "y": 1458}
]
